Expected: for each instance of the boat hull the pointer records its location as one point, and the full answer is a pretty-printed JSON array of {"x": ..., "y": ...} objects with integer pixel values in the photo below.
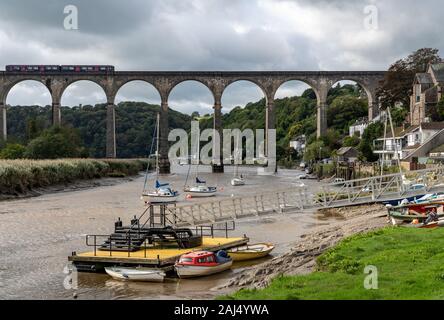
[
  {"x": 151, "y": 198},
  {"x": 237, "y": 182},
  {"x": 250, "y": 252},
  {"x": 127, "y": 274},
  {"x": 201, "y": 194},
  {"x": 192, "y": 271}
]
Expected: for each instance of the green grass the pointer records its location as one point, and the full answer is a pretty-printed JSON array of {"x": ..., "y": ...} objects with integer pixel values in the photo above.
[
  {"x": 410, "y": 265},
  {"x": 19, "y": 176}
]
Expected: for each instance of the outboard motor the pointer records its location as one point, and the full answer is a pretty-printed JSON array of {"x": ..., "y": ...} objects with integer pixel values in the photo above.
[{"x": 222, "y": 256}]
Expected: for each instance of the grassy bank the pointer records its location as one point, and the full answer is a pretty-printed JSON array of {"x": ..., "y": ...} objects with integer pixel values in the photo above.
[
  {"x": 20, "y": 176},
  {"x": 409, "y": 263}
]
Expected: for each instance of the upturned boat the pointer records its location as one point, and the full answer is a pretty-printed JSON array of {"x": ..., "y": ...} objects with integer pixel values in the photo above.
[
  {"x": 250, "y": 252},
  {"x": 202, "y": 263},
  {"x": 136, "y": 274}
]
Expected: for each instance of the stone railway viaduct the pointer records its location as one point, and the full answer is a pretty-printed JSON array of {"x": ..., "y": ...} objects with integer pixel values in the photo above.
[{"x": 164, "y": 81}]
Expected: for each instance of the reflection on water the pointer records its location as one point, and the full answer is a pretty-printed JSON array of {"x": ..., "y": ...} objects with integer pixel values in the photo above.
[{"x": 37, "y": 235}]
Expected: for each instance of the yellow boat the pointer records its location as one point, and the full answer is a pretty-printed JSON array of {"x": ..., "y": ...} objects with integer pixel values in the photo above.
[{"x": 250, "y": 251}]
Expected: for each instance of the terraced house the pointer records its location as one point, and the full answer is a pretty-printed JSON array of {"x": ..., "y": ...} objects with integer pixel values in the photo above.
[{"x": 420, "y": 136}]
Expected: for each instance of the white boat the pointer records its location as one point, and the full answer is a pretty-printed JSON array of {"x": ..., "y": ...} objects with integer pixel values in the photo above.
[
  {"x": 200, "y": 188},
  {"x": 238, "y": 181},
  {"x": 162, "y": 192},
  {"x": 201, "y": 263},
  {"x": 160, "y": 195},
  {"x": 201, "y": 191},
  {"x": 136, "y": 274}
]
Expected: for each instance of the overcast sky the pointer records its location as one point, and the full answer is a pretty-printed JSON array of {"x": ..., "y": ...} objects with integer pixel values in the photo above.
[{"x": 210, "y": 35}]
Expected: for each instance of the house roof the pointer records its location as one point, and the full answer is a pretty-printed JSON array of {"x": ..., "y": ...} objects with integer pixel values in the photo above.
[
  {"x": 399, "y": 132},
  {"x": 432, "y": 125},
  {"x": 424, "y": 78},
  {"x": 342, "y": 151},
  {"x": 438, "y": 149},
  {"x": 438, "y": 71}
]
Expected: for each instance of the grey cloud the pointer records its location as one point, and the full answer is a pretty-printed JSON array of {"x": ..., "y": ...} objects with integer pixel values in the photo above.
[{"x": 214, "y": 35}]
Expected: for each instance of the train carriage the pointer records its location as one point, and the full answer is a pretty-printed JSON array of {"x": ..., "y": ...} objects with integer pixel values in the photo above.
[{"x": 59, "y": 69}]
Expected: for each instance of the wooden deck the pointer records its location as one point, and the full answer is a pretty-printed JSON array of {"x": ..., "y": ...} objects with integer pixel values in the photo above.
[{"x": 163, "y": 258}]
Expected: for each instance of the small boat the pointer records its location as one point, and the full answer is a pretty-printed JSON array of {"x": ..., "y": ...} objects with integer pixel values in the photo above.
[
  {"x": 250, "y": 252},
  {"x": 410, "y": 212},
  {"x": 430, "y": 225},
  {"x": 200, "y": 189},
  {"x": 202, "y": 263},
  {"x": 239, "y": 181},
  {"x": 162, "y": 192},
  {"x": 136, "y": 274}
]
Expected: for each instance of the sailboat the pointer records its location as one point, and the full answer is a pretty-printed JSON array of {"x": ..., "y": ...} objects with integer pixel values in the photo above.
[
  {"x": 200, "y": 188},
  {"x": 162, "y": 192},
  {"x": 238, "y": 180}
]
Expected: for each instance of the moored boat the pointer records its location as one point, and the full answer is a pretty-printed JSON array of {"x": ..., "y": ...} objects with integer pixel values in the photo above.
[
  {"x": 201, "y": 191},
  {"x": 250, "y": 252},
  {"x": 202, "y": 263},
  {"x": 162, "y": 192},
  {"x": 136, "y": 274}
]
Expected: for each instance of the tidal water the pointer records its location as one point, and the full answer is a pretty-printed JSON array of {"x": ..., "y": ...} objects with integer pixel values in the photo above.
[{"x": 37, "y": 235}]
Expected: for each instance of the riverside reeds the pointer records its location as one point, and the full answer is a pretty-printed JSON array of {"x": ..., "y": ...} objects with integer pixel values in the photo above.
[{"x": 20, "y": 176}]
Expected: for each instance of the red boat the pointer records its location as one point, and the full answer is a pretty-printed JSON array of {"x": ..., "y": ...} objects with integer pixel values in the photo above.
[{"x": 202, "y": 263}]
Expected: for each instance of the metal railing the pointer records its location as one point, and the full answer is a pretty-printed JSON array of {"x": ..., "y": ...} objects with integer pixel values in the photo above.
[{"x": 352, "y": 192}]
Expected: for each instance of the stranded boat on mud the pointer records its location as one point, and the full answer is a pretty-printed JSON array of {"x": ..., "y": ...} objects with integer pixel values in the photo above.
[
  {"x": 136, "y": 274},
  {"x": 202, "y": 263},
  {"x": 250, "y": 252},
  {"x": 427, "y": 209}
]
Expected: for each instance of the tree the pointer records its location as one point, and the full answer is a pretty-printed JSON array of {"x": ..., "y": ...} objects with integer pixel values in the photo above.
[
  {"x": 344, "y": 111},
  {"x": 397, "y": 84},
  {"x": 12, "y": 151},
  {"x": 56, "y": 142},
  {"x": 399, "y": 115},
  {"x": 316, "y": 151},
  {"x": 372, "y": 132},
  {"x": 352, "y": 141}
]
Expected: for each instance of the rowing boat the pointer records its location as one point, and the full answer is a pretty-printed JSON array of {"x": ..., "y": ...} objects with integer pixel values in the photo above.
[
  {"x": 136, "y": 274},
  {"x": 250, "y": 252}
]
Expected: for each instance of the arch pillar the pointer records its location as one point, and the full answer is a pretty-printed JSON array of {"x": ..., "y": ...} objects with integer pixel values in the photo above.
[
  {"x": 3, "y": 125},
  {"x": 373, "y": 105},
  {"x": 56, "y": 88},
  {"x": 164, "y": 161},
  {"x": 111, "y": 150},
  {"x": 218, "y": 165},
  {"x": 321, "y": 114}
]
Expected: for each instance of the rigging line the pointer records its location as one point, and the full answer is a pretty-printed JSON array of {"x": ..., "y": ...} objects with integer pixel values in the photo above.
[{"x": 149, "y": 155}]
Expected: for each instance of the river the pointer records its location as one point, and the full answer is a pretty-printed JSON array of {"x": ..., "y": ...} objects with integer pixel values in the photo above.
[{"x": 37, "y": 234}]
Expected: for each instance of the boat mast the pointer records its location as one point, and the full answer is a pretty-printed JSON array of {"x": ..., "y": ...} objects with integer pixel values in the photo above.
[{"x": 157, "y": 146}]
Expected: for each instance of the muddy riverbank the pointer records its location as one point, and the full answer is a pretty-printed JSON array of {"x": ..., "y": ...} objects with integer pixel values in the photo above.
[
  {"x": 301, "y": 258},
  {"x": 68, "y": 187}
]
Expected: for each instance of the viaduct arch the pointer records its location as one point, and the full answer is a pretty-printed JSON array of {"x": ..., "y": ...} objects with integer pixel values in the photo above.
[{"x": 216, "y": 81}]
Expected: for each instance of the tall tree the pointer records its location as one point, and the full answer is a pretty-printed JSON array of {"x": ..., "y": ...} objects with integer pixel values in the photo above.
[{"x": 397, "y": 84}]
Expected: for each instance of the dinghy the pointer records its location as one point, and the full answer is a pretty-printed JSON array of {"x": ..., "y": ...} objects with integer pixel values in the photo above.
[
  {"x": 250, "y": 252},
  {"x": 136, "y": 274},
  {"x": 202, "y": 263}
]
